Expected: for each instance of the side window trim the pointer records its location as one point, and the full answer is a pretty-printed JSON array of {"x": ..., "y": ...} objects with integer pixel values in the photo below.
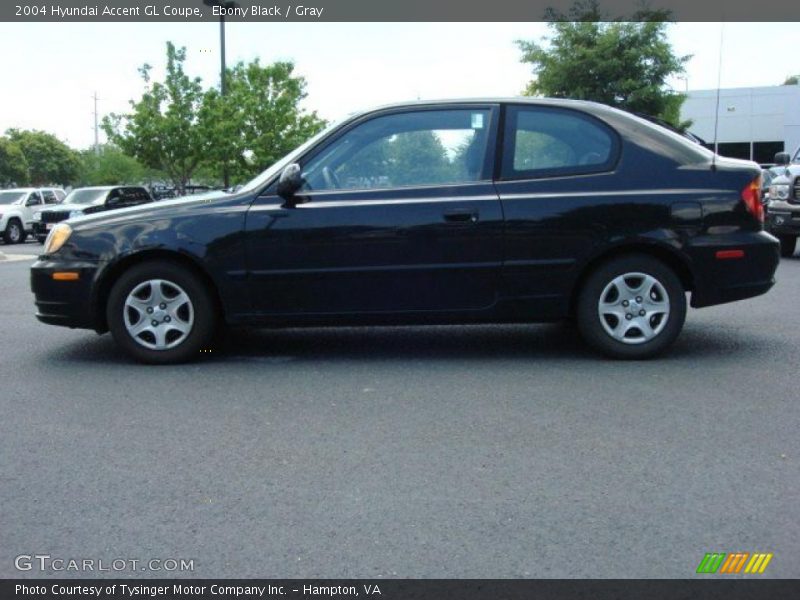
[{"x": 504, "y": 167}]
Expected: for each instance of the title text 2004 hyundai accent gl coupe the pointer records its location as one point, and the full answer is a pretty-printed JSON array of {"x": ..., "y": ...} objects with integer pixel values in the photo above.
[{"x": 435, "y": 212}]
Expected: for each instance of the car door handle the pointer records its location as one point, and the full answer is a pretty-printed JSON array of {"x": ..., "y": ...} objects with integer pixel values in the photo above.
[{"x": 461, "y": 216}]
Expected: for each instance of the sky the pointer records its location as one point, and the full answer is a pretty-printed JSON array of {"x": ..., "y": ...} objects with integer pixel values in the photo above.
[{"x": 50, "y": 71}]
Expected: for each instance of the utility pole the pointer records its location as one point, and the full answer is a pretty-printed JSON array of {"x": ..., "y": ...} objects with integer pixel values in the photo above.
[
  {"x": 223, "y": 87},
  {"x": 96, "y": 129}
]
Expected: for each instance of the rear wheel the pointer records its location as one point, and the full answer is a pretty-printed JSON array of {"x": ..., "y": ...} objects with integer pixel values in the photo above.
[
  {"x": 788, "y": 244},
  {"x": 161, "y": 313},
  {"x": 631, "y": 307},
  {"x": 14, "y": 232}
]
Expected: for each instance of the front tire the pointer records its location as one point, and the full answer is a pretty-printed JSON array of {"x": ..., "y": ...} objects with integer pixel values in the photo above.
[
  {"x": 631, "y": 307},
  {"x": 788, "y": 245},
  {"x": 14, "y": 232},
  {"x": 161, "y": 313}
]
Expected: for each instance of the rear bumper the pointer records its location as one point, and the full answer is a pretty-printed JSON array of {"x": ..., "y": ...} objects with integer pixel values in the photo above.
[
  {"x": 719, "y": 280},
  {"x": 66, "y": 303}
]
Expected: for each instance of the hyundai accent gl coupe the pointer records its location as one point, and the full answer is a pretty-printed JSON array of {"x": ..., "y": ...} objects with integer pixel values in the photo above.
[{"x": 476, "y": 211}]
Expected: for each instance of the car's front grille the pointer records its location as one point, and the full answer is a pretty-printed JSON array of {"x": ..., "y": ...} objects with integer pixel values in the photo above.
[
  {"x": 54, "y": 216},
  {"x": 795, "y": 195}
]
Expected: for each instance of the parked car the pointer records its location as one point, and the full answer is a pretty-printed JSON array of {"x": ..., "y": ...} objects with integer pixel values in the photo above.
[
  {"x": 783, "y": 209},
  {"x": 162, "y": 192},
  {"x": 86, "y": 201},
  {"x": 521, "y": 210},
  {"x": 17, "y": 207}
]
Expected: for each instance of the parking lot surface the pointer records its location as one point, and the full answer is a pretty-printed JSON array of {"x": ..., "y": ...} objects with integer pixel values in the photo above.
[{"x": 481, "y": 451}]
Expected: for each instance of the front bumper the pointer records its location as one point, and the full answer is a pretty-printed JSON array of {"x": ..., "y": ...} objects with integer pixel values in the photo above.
[
  {"x": 783, "y": 219},
  {"x": 66, "y": 303},
  {"x": 720, "y": 280}
]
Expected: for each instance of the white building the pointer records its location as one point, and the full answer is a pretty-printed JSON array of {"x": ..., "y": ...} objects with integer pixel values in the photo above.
[{"x": 754, "y": 123}]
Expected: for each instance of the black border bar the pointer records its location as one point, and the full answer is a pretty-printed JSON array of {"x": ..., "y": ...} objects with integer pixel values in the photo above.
[
  {"x": 404, "y": 589},
  {"x": 380, "y": 10}
]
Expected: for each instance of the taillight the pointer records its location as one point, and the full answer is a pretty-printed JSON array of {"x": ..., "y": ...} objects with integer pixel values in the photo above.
[{"x": 751, "y": 195}]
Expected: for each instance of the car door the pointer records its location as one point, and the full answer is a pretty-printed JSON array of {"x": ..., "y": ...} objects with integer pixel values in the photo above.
[
  {"x": 398, "y": 213},
  {"x": 559, "y": 190},
  {"x": 33, "y": 204}
]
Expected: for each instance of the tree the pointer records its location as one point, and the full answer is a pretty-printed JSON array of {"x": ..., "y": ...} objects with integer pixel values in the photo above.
[
  {"x": 259, "y": 119},
  {"x": 110, "y": 166},
  {"x": 13, "y": 166},
  {"x": 163, "y": 129},
  {"x": 49, "y": 159},
  {"x": 792, "y": 80},
  {"x": 620, "y": 63}
]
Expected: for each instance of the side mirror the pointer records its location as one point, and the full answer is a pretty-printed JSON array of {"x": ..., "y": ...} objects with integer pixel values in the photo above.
[
  {"x": 782, "y": 159},
  {"x": 291, "y": 180}
]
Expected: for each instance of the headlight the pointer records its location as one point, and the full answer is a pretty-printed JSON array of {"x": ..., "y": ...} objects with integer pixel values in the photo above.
[
  {"x": 37, "y": 216},
  {"x": 75, "y": 213},
  {"x": 57, "y": 237},
  {"x": 779, "y": 191}
]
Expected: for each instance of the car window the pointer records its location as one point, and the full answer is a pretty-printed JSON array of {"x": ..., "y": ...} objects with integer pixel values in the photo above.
[
  {"x": 544, "y": 141},
  {"x": 132, "y": 196},
  {"x": 34, "y": 199},
  {"x": 49, "y": 197},
  {"x": 427, "y": 147}
]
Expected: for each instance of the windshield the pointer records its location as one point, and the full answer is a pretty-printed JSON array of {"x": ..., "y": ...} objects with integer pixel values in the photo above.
[
  {"x": 11, "y": 197},
  {"x": 86, "y": 197},
  {"x": 277, "y": 167}
]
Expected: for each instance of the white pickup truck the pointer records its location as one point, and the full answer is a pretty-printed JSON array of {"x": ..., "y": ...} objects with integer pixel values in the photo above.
[{"x": 17, "y": 207}]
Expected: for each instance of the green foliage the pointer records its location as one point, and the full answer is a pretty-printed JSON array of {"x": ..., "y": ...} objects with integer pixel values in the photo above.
[
  {"x": 13, "y": 165},
  {"x": 259, "y": 120},
  {"x": 188, "y": 132},
  {"x": 49, "y": 160},
  {"x": 418, "y": 157},
  {"x": 620, "y": 63},
  {"x": 110, "y": 166},
  {"x": 792, "y": 80},
  {"x": 163, "y": 130}
]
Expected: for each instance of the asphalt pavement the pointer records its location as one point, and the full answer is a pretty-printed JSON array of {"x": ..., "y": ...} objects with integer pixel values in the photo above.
[{"x": 480, "y": 451}]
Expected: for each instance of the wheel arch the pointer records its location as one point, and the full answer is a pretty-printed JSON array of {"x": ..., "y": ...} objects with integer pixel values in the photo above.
[
  {"x": 102, "y": 287},
  {"x": 669, "y": 256}
]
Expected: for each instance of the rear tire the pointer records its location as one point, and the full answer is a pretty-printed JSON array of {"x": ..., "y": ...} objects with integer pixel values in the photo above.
[
  {"x": 14, "y": 232},
  {"x": 788, "y": 245},
  {"x": 161, "y": 313},
  {"x": 631, "y": 307}
]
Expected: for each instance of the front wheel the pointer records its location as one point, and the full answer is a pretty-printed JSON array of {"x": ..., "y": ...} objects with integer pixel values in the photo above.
[
  {"x": 14, "y": 232},
  {"x": 631, "y": 307},
  {"x": 161, "y": 313},
  {"x": 788, "y": 244}
]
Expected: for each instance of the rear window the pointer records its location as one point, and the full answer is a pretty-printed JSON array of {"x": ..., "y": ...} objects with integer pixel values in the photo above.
[{"x": 546, "y": 141}]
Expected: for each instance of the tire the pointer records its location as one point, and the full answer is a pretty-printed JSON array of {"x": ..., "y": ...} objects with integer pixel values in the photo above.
[
  {"x": 14, "y": 232},
  {"x": 650, "y": 288},
  {"x": 170, "y": 295},
  {"x": 788, "y": 244}
]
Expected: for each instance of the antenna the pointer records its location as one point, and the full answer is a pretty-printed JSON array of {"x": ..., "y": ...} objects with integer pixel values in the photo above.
[{"x": 716, "y": 111}]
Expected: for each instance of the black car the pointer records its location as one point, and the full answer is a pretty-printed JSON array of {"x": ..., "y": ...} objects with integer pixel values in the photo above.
[
  {"x": 87, "y": 201},
  {"x": 519, "y": 210}
]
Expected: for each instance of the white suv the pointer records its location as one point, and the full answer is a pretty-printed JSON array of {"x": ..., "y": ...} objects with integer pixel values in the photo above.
[{"x": 18, "y": 206}]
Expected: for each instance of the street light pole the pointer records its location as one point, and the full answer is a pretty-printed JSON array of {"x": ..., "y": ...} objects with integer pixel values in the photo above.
[{"x": 223, "y": 86}]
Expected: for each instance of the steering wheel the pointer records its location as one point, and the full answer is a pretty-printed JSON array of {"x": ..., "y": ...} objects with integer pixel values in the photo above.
[{"x": 331, "y": 181}]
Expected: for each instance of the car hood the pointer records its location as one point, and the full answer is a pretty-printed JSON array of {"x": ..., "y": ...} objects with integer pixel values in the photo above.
[
  {"x": 147, "y": 209},
  {"x": 64, "y": 208}
]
